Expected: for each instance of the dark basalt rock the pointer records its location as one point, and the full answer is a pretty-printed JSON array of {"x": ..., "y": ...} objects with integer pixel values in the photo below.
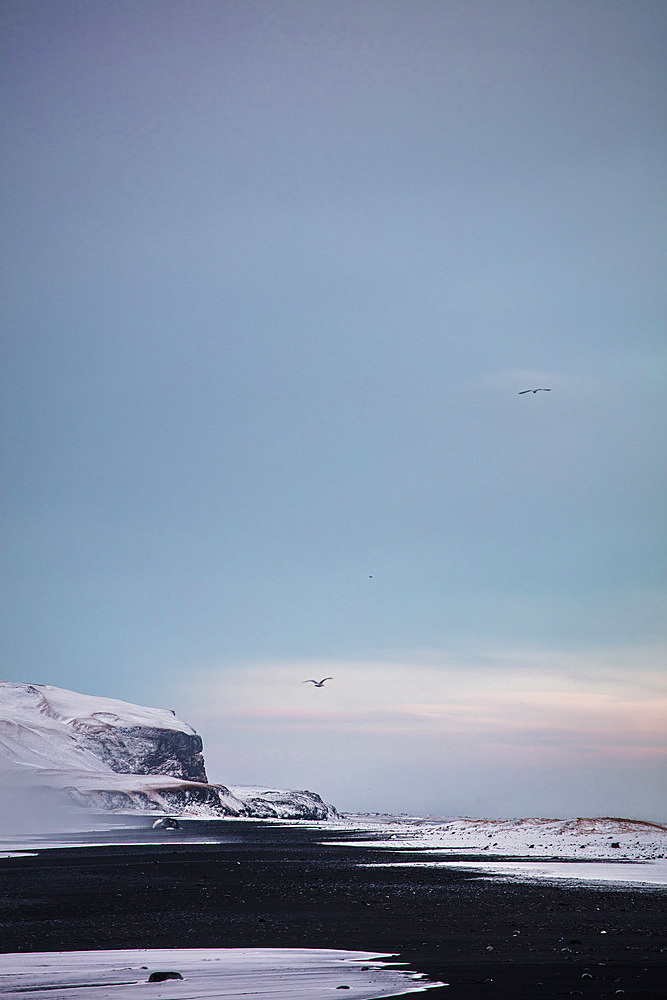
[
  {"x": 210, "y": 796},
  {"x": 212, "y": 799},
  {"x": 142, "y": 750}
]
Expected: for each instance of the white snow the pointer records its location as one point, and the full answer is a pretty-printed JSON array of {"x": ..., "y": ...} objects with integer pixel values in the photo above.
[
  {"x": 39, "y": 725},
  {"x": 548, "y": 848},
  {"x": 82, "y": 711},
  {"x": 280, "y": 803},
  {"x": 646, "y": 873},
  {"x": 536, "y": 838},
  {"x": 215, "y": 973}
]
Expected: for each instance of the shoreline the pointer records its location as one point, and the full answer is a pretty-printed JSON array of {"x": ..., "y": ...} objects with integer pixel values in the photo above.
[
  {"x": 214, "y": 973},
  {"x": 286, "y": 886}
]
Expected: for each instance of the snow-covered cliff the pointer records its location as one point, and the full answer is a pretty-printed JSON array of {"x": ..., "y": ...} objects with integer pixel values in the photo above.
[{"x": 113, "y": 755}]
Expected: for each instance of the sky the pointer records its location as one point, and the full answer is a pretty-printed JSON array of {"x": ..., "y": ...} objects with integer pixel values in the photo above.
[{"x": 275, "y": 275}]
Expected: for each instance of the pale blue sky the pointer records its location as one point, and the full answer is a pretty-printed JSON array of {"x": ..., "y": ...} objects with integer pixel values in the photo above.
[{"x": 274, "y": 276}]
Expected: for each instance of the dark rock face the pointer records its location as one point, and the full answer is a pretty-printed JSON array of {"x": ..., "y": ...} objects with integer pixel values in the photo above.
[
  {"x": 191, "y": 798},
  {"x": 141, "y": 750},
  {"x": 209, "y": 797}
]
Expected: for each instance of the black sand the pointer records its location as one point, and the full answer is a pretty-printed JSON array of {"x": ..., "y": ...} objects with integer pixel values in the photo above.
[{"x": 271, "y": 886}]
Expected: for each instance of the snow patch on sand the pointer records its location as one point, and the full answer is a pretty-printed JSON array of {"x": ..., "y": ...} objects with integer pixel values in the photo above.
[
  {"x": 648, "y": 873},
  {"x": 216, "y": 973},
  {"x": 623, "y": 850},
  {"x": 600, "y": 838}
]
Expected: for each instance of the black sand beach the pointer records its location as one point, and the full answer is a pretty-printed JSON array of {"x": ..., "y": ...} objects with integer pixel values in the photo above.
[{"x": 268, "y": 885}]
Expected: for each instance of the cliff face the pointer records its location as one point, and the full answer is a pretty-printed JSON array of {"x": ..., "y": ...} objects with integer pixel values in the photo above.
[
  {"x": 138, "y": 794},
  {"x": 113, "y": 755},
  {"x": 276, "y": 803},
  {"x": 145, "y": 750}
]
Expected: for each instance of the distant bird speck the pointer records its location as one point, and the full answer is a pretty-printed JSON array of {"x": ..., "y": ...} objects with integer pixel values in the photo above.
[
  {"x": 533, "y": 390},
  {"x": 318, "y": 684}
]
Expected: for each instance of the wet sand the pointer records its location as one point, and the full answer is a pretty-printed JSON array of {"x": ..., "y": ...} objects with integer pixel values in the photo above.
[{"x": 273, "y": 886}]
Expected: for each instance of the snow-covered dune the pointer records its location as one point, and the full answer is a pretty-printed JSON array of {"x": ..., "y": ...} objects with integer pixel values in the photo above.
[
  {"x": 577, "y": 839},
  {"x": 111, "y": 754},
  {"x": 602, "y": 849}
]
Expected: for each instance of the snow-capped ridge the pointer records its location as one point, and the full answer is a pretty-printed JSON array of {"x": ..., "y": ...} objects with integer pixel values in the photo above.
[
  {"x": 577, "y": 839},
  {"x": 114, "y": 755},
  {"x": 276, "y": 803},
  {"x": 87, "y": 711}
]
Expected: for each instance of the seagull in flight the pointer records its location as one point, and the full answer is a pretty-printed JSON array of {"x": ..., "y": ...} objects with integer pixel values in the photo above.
[
  {"x": 533, "y": 390},
  {"x": 318, "y": 684}
]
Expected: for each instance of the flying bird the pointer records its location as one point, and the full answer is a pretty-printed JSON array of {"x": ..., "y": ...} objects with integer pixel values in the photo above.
[
  {"x": 533, "y": 390},
  {"x": 318, "y": 684}
]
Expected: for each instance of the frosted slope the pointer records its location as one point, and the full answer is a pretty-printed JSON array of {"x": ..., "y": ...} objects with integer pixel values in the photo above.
[
  {"x": 83, "y": 711},
  {"x": 39, "y": 725},
  {"x": 579, "y": 839}
]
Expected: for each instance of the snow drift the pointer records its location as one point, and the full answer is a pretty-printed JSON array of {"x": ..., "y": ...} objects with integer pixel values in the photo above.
[{"x": 110, "y": 754}]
